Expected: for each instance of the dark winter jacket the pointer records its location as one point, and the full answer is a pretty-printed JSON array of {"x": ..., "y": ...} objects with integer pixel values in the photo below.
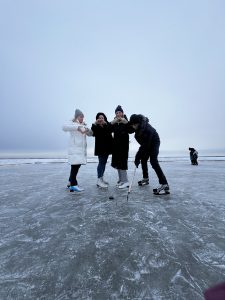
[
  {"x": 120, "y": 144},
  {"x": 193, "y": 153},
  {"x": 147, "y": 137},
  {"x": 103, "y": 139}
]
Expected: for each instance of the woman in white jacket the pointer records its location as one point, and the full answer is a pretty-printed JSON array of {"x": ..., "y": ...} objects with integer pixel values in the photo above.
[{"x": 77, "y": 150}]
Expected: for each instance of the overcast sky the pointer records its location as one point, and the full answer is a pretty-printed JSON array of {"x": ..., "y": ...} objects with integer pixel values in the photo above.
[{"x": 164, "y": 59}]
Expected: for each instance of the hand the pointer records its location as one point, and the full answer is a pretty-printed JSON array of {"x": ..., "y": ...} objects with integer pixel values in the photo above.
[
  {"x": 85, "y": 131},
  {"x": 99, "y": 121},
  {"x": 82, "y": 130},
  {"x": 137, "y": 162}
]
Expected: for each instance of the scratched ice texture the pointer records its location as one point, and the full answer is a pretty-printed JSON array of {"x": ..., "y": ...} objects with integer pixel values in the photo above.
[{"x": 59, "y": 245}]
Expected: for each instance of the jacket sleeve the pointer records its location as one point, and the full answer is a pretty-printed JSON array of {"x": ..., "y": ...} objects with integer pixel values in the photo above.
[
  {"x": 130, "y": 129},
  {"x": 89, "y": 132},
  {"x": 94, "y": 129},
  {"x": 70, "y": 127}
]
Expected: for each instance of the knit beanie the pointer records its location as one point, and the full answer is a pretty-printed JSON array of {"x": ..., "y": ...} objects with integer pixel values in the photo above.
[
  {"x": 119, "y": 108},
  {"x": 78, "y": 113}
]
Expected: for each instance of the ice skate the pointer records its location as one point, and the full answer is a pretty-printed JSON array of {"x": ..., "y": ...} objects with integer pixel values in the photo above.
[
  {"x": 143, "y": 181},
  {"x": 101, "y": 183},
  {"x": 124, "y": 185},
  {"x": 106, "y": 182},
  {"x": 75, "y": 189},
  {"x": 163, "y": 189}
]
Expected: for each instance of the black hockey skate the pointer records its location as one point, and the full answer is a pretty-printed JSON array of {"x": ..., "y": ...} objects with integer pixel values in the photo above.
[
  {"x": 163, "y": 189},
  {"x": 144, "y": 181}
]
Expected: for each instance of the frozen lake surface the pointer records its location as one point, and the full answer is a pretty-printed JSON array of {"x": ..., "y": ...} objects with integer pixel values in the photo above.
[{"x": 57, "y": 245}]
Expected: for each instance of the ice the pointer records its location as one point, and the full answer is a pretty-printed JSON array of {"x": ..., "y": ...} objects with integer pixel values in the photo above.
[{"x": 59, "y": 245}]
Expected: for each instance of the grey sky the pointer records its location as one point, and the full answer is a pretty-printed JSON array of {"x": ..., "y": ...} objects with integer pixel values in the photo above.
[{"x": 164, "y": 59}]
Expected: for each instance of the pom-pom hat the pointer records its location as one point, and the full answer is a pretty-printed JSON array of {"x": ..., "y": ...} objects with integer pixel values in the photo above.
[{"x": 119, "y": 108}]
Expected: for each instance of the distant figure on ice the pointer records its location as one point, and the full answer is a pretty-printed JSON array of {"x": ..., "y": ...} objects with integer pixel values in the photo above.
[
  {"x": 103, "y": 145},
  {"x": 77, "y": 150},
  {"x": 121, "y": 130},
  {"x": 193, "y": 156},
  {"x": 149, "y": 141}
]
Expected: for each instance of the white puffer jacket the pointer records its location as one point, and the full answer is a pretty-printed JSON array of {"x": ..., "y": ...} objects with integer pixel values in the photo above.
[{"x": 77, "y": 148}]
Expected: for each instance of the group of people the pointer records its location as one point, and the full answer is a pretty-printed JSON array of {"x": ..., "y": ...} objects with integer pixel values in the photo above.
[{"x": 112, "y": 138}]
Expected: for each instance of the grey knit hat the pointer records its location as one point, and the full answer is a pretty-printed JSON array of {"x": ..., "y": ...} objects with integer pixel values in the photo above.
[{"x": 78, "y": 113}]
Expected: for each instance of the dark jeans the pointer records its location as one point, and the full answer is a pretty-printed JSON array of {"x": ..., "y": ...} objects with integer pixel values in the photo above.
[
  {"x": 102, "y": 160},
  {"x": 73, "y": 174},
  {"x": 155, "y": 164},
  {"x": 144, "y": 166}
]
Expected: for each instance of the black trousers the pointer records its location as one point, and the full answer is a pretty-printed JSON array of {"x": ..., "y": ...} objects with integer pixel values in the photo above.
[
  {"x": 73, "y": 174},
  {"x": 153, "y": 154},
  {"x": 144, "y": 166}
]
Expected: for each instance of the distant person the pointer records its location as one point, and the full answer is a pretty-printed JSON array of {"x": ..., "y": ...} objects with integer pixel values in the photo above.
[
  {"x": 193, "y": 156},
  {"x": 121, "y": 130},
  {"x": 149, "y": 141},
  {"x": 103, "y": 146},
  {"x": 77, "y": 150}
]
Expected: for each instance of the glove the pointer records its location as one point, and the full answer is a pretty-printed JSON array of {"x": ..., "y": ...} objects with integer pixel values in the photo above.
[{"x": 137, "y": 161}]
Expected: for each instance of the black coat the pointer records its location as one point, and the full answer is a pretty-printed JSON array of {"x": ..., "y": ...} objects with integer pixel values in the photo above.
[
  {"x": 193, "y": 153},
  {"x": 120, "y": 145},
  {"x": 103, "y": 139},
  {"x": 148, "y": 139}
]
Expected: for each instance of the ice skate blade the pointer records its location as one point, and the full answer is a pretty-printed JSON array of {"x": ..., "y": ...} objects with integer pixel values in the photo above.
[
  {"x": 142, "y": 184},
  {"x": 102, "y": 187},
  {"x": 161, "y": 193}
]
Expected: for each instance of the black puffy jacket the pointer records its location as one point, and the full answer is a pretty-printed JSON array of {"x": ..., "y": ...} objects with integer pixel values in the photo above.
[
  {"x": 147, "y": 137},
  {"x": 103, "y": 139}
]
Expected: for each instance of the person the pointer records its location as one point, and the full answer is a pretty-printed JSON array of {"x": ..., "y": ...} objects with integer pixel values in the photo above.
[
  {"x": 149, "y": 141},
  {"x": 120, "y": 149},
  {"x": 103, "y": 145},
  {"x": 77, "y": 150},
  {"x": 193, "y": 156}
]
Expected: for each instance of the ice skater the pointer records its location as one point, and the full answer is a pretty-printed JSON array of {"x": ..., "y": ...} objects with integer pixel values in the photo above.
[
  {"x": 193, "y": 156},
  {"x": 149, "y": 141},
  {"x": 77, "y": 149},
  {"x": 103, "y": 145}
]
